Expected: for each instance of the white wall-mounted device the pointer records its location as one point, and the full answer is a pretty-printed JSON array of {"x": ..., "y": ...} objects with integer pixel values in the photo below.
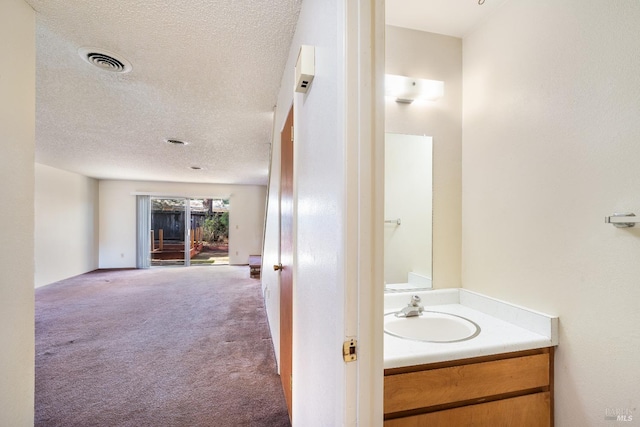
[{"x": 305, "y": 68}]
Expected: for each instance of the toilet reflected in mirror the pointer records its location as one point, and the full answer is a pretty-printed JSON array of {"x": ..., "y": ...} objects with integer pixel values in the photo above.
[{"x": 408, "y": 212}]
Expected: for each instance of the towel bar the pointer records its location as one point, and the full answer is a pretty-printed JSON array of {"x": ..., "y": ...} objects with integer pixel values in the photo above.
[{"x": 622, "y": 220}]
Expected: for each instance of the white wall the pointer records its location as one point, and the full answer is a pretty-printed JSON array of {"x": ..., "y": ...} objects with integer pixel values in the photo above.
[
  {"x": 437, "y": 57},
  {"x": 319, "y": 382},
  {"x": 17, "y": 126},
  {"x": 66, "y": 224},
  {"x": 407, "y": 196},
  {"x": 118, "y": 217},
  {"x": 551, "y": 145}
]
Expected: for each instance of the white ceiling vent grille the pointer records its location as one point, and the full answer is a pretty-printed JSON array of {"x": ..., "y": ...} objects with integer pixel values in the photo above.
[{"x": 105, "y": 60}]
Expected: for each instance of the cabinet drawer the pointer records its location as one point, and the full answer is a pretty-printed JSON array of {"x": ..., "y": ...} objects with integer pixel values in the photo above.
[
  {"x": 532, "y": 410},
  {"x": 441, "y": 386}
]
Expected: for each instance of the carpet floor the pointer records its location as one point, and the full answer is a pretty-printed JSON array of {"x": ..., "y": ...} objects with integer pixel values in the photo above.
[{"x": 158, "y": 347}]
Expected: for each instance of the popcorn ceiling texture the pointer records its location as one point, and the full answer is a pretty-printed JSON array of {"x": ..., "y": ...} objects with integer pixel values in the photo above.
[{"x": 206, "y": 72}]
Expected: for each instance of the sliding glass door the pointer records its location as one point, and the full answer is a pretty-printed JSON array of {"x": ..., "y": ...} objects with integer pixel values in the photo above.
[
  {"x": 185, "y": 231},
  {"x": 169, "y": 234}
]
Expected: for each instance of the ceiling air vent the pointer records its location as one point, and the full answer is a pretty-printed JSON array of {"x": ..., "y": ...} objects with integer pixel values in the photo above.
[
  {"x": 105, "y": 60},
  {"x": 176, "y": 142}
]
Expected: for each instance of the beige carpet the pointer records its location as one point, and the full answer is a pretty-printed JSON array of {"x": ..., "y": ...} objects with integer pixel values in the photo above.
[{"x": 159, "y": 347}]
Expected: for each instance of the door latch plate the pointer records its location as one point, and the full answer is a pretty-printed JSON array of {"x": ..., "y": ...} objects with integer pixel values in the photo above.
[{"x": 349, "y": 350}]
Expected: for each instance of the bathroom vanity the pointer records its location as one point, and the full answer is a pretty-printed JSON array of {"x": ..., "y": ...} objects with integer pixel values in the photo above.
[{"x": 502, "y": 376}]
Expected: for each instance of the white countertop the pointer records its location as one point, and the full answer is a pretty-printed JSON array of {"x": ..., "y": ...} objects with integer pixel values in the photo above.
[{"x": 504, "y": 328}]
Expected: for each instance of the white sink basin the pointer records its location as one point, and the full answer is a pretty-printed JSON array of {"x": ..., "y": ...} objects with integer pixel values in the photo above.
[{"x": 431, "y": 326}]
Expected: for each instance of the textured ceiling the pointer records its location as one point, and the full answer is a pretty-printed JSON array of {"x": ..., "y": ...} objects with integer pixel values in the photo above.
[{"x": 206, "y": 72}]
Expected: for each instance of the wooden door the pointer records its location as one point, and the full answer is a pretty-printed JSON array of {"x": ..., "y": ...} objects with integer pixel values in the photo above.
[{"x": 286, "y": 259}]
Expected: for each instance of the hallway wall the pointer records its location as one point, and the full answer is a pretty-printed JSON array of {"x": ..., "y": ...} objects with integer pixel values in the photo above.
[
  {"x": 66, "y": 224},
  {"x": 550, "y": 147},
  {"x": 17, "y": 127},
  {"x": 319, "y": 379},
  {"x": 118, "y": 217}
]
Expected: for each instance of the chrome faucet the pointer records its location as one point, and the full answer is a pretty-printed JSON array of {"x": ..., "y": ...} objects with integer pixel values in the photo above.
[{"x": 414, "y": 308}]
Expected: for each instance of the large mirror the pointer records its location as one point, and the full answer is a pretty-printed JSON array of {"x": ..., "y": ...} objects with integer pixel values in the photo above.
[{"x": 408, "y": 212}]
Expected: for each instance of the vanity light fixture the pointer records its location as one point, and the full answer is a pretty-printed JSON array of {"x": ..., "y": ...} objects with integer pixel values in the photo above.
[{"x": 407, "y": 89}]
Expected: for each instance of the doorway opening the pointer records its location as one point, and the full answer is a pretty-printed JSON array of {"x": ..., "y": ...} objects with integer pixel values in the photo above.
[{"x": 189, "y": 231}]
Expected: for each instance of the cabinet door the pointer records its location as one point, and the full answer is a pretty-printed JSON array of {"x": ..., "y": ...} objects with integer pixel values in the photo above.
[
  {"x": 424, "y": 389},
  {"x": 532, "y": 410}
]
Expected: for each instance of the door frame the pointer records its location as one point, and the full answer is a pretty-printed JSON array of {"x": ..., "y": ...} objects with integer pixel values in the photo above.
[
  {"x": 186, "y": 225},
  {"x": 364, "y": 41},
  {"x": 187, "y": 232}
]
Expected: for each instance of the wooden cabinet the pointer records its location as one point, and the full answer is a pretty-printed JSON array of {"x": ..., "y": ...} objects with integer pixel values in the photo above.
[{"x": 510, "y": 389}]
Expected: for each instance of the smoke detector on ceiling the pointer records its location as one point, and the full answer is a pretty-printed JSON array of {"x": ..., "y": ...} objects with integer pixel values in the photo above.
[{"x": 105, "y": 60}]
